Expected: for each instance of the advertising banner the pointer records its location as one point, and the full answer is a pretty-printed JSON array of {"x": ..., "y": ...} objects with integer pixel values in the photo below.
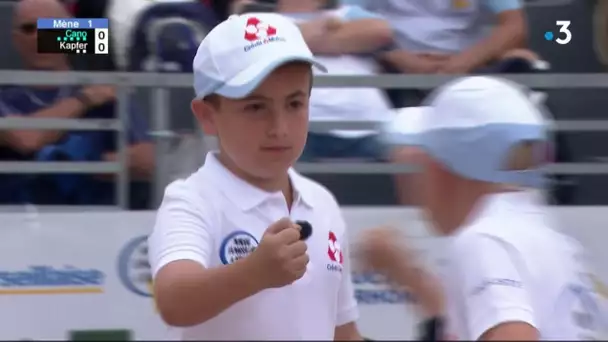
[{"x": 85, "y": 276}]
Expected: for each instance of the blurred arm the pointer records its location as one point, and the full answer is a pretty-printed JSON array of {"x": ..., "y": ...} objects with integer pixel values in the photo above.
[
  {"x": 347, "y": 332},
  {"x": 141, "y": 160},
  {"x": 424, "y": 287},
  {"x": 361, "y": 32},
  {"x": 30, "y": 141},
  {"x": 187, "y": 291},
  {"x": 510, "y": 32},
  {"x": 141, "y": 153},
  {"x": 359, "y": 36},
  {"x": 398, "y": 59}
]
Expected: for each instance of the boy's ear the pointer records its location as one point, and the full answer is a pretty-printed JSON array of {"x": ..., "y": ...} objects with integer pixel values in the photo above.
[{"x": 204, "y": 113}]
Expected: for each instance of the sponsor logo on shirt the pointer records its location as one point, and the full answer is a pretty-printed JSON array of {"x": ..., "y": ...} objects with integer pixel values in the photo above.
[
  {"x": 236, "y": 246},
  {"x": 334, "y": 251},
  {"x": 134, "y": 268},
  {"x": 496, "y": 282}
]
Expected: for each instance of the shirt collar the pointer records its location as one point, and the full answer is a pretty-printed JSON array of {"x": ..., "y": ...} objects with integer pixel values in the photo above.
[
  {"x": 504, "y": 203},
  {"x": 247, "y": 196}
]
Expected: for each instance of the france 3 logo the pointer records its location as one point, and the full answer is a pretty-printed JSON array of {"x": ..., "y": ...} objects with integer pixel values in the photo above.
[
  {"x": 134, "y": 268},
  {"x": 564, "y": 36}
]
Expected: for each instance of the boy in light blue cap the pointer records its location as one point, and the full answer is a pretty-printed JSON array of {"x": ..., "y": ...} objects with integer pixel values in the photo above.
[{"x": 482, "y": 144}]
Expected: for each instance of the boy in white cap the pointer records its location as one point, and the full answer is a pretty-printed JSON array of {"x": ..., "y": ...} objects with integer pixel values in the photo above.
[
  {"x": 230, "y": 255},
  {"x": 507, "y": 275}
]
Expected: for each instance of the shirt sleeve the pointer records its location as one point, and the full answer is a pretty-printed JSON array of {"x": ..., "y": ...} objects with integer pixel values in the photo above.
[
  {"x": 357, "y": 13},
  {"x": 493, "y": 286},
  {"x": 347, "y": 304},
  {"x": 498, "y": 6},
  {"x": 183, "y": 230}
]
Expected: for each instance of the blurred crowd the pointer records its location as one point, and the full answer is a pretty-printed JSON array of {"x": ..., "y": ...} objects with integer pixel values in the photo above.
[{"x": 351, "y": 37}]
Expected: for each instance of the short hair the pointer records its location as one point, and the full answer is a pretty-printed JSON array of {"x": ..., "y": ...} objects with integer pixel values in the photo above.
[
  {"x": 528, "y": 155},
  {"x": 214, "y": 100}
]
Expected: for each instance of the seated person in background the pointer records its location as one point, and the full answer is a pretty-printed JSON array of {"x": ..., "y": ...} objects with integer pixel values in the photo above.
[
  {"x": 600, "y": 23},
  {"x": 92, "y": 9},
  {"x": 123, "y": 16},
  {"x": 224, "y": 8},
  {"x": 344, "y": 40},
  {"x": 61, "y": 102},
  {"x": 456, "y": 36},
  {"x": 160, "y": 35}
]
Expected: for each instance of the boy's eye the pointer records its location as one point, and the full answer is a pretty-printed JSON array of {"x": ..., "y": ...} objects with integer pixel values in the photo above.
[
  {"x": 254, "y": 107},
  {"x": 296, "y": 104}
]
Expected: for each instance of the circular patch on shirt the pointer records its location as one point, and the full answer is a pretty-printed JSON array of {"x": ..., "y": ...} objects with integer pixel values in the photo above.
[
  {"x": 579, "y": 309},
  {"x": 236, "y": 246}
]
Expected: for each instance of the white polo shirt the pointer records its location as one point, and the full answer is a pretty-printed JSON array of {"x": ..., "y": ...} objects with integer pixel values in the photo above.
[
  {"x": 347, "y": 104},
  {"x": 441, "y": 26},
  {"x": 214, "y": 217},
  {"x": 507, "y": 264}
]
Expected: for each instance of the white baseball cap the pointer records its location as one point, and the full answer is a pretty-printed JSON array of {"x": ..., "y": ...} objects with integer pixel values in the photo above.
[
  {"x": 470, "y": 125},
  {"x": 239, "y": 53}
]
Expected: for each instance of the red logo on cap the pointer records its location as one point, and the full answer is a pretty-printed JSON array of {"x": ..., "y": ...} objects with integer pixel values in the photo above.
[
  {"x": 256, "y": 30},
  {"x": 334, "y": 250}
]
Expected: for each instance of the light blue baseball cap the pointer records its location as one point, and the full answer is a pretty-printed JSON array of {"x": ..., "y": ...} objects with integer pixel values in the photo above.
[{"x": 471, "y": 125}]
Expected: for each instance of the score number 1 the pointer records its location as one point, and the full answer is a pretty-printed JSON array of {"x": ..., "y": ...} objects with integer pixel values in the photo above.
[{"x": 101, "y": 40}]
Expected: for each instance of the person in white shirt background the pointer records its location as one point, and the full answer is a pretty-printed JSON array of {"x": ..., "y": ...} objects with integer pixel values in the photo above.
[
  {"x": 227, "y": 256},
  {"x": 345, "y": 39},
  {"x": 507, "y": 274}
]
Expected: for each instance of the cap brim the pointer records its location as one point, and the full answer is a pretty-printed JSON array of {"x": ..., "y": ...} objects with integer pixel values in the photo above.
[
  {"x": 249, "y": 79},
  {"x": 407, "y": 127}
]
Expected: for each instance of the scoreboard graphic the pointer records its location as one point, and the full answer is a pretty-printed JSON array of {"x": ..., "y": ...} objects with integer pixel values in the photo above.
[{"x": 73, "y": 36}]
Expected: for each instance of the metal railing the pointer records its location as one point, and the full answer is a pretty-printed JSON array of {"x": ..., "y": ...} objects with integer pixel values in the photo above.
[{"x": 160, "y": 118}]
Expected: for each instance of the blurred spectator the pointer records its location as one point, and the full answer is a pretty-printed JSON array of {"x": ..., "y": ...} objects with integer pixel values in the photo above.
[
  {"x": 92, "y": 9},
  {"x": 600, "y": 18},
  {"x": 224, "y": 8},
  {"x": 160, "y": 35},
  {"x": 89, "y": 8},
  {"x": 123, "y": 15},
  {"x": 344, "y": 40},
  {"x": 454, "y": 36},
  {"x": 62, "y": 102}
]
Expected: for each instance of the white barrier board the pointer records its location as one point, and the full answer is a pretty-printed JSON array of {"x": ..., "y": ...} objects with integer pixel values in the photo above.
[{"x": 61, "y": 273}]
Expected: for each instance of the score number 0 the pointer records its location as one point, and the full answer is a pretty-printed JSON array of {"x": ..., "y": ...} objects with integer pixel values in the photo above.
[
  {"x": 101, "y": 41},
  {"x": 564, "y": 28}
]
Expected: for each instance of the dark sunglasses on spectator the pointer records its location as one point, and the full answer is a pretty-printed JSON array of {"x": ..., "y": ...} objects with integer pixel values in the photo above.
[{"x": 28, "y": 28}]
